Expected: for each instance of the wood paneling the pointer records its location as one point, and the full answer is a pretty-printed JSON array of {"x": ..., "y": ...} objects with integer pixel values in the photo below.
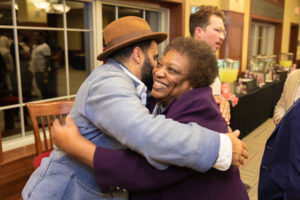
[
  {"x": 177, "y": 14},
  {"x": 15, "y": 170},
  {"x": 233, "y": 44},
  {"x": 177, "y": 21},
  {"x": 277, "y": 2},
  {"x": 294, "y": 40},
  {"x": 1, "y": 153},
  {"x": 267, "y": 8},
  {"x": 298, "y": 64},
  {"x": 278, "y": 30},
  {"x": 278, "y": 38},
  {"x": 265, "y": 19}
]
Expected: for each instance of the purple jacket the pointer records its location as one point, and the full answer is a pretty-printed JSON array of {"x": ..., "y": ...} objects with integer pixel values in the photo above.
[{"x": 128, "y": 170}]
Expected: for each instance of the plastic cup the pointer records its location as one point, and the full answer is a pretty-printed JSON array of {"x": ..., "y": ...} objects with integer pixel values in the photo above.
[{"x": 228, "y": 71}]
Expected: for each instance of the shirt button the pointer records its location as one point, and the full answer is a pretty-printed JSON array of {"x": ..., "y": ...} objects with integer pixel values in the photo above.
[{"x": 268, "y": 147}]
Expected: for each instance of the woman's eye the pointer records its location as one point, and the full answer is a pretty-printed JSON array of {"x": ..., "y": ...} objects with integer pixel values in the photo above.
[{"x": 172, "y": 70}]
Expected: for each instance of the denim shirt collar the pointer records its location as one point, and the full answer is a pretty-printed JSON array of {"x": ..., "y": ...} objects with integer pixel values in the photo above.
[{"x": 140, "y": 87}]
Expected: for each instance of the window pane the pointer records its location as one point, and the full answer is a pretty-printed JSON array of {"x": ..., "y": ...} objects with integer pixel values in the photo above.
[
  {"x": 75, "y": 14},
  {"x": 5, "y": 13},
  {"x": 47, "y": 64},
  {"x": 153, "y": 20},
  {"x": 10, "y": 122},
  {"x": 8, "y": 75},
  {"x": 262, "y": 39},
  {"x": 24, "y": 61},
  {"x": 124, "y": 11},
  {"x": 39, "y": 13},
  {"x": 57, "y": 68},
  {"x": 78, "y": 59},
  {"x": 108, "y": 14}
]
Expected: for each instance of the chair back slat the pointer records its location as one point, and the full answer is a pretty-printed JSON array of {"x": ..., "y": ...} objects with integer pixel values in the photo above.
[
  {"x": 44, "y": 133},
  {"x": 42, "y": 115},
  {"x": 61, "y": 118},
  {"x": 49, "y": 125}
]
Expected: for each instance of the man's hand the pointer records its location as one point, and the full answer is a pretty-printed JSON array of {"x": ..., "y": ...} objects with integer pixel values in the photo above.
[
  {"x": 224, "y": 107},
  {"x": 239, "y": 149},
  {"x": 69, "y": 139}
]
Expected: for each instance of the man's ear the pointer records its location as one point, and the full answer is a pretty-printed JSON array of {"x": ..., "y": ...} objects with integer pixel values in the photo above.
[
  {"x": 198, "y": 32},
  {"x": 138, "y": 55}
]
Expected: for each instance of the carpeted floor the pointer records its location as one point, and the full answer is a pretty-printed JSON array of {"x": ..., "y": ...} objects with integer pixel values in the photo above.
[{"x": 255, "y": 142}]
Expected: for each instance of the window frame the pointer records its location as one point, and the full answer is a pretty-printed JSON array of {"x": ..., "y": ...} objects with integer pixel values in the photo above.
[
  {"x": 12, "y": 142},
  {"x": 95, "y": 48}
]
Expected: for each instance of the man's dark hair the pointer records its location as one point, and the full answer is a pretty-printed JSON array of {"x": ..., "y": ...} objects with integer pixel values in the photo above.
[
  {"x": 203, "y": 67},
  {"x": 123, "y": 54},
  {"x": 201, "y": 17}
]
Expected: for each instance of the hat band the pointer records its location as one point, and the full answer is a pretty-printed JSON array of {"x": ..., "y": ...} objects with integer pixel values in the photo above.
[{"x": 127, "y": 37}]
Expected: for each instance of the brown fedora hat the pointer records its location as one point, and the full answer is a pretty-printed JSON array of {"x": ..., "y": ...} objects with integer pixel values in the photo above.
[{"x": 126, "y": 31}]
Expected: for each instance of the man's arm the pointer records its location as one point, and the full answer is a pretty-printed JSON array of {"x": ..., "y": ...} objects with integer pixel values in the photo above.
[
  {"x": 127, "y": 169},
  {"x": 220, "y": 100},
  {"x": 224, "y": 107}
]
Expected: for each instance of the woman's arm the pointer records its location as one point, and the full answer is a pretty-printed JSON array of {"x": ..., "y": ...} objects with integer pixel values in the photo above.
[
  {"x": 115, "y": 168},
  {"x": 127, "y": 169}
]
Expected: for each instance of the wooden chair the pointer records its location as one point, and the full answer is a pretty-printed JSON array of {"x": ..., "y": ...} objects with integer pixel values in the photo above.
[{"x": 42, "y": 115}]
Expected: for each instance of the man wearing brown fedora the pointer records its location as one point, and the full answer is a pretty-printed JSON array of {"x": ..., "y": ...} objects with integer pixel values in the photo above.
[{"x": 110, "y": 112}]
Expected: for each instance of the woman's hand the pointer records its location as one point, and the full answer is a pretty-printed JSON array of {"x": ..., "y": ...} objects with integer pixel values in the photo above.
[{"x": 65, "y": 135}]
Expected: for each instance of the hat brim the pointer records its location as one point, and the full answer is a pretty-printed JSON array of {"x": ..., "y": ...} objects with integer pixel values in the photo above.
[{"x": 158, "y": 37}]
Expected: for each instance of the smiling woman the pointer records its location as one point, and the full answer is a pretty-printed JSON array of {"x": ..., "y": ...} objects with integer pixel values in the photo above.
[{"x": 183, "y": 68}]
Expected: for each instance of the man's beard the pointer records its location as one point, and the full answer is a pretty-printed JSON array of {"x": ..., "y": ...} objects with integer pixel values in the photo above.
[{"x": 147, "y": 73}]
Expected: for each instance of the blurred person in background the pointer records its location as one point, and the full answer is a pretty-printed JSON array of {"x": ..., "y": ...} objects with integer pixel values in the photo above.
[
  {"x": 40, "y": 62},
  {"x": 280, "y": 166},
  {"x": 290, "y": 94},
  {"x": 24, "y": 58}
]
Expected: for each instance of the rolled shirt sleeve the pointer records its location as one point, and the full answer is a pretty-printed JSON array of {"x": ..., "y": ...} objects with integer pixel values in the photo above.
[{"x": 224, "y": 159}]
